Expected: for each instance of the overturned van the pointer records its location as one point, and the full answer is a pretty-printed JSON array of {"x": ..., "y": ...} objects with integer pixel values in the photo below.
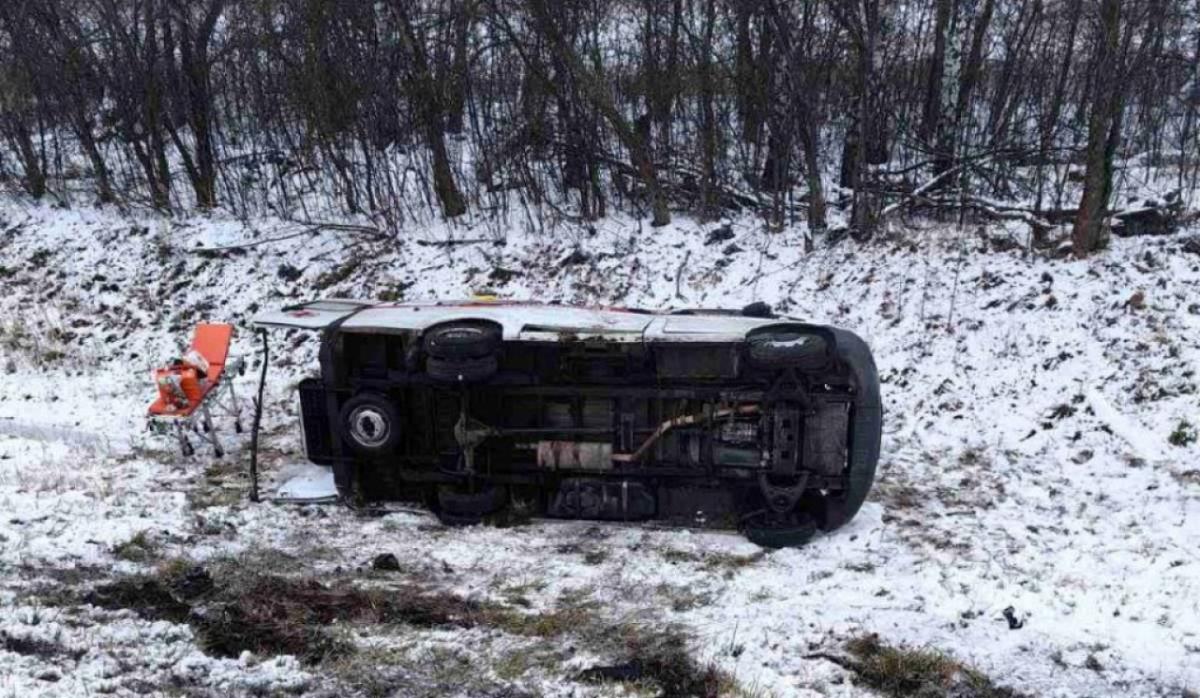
[{"x": 736, "y": 419}]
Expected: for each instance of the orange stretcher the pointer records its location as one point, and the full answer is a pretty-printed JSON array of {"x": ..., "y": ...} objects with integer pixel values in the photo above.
[{"x": 192, "y": 387}]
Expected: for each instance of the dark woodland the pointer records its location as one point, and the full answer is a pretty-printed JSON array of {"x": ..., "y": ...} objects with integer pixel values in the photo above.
[{"x": 804, "y": 111}]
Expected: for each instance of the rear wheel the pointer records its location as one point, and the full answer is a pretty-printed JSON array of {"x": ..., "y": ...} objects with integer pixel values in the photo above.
[
  {"x": 370, "y": 424},
  {"x": 462, "y": 352},
  {"x": 457, "y": 341}
]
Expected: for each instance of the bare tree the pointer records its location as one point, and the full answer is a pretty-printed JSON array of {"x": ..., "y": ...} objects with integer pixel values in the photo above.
[
  {"x": 1104, "y": 130},
  {"x": 190, "y": 29},
  {"x": 426, "y": 98},
  {"x": 866, "y": 141},
  {"x": 579, "y": 107}
]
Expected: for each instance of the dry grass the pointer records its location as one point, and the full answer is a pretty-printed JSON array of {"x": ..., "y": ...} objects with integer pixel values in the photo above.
[
  {"x": 370, "y": 639},
  {"x": 235, "y": 609},
  {"x": 902, "y": 672},
  {"x": 571, "y": 617},
  {"x": 36, "y": 647},
  {"x": 139, "y": 548},
  {"x": 657, "y": 661},
  {"x": 714, "y": 561}
]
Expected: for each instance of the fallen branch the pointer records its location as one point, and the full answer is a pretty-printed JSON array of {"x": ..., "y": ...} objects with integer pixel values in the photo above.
[
  {"x": 241, "y": 246},
  {"x": 918, "y": 192},
  {"x": 679, "y": 275},
  {"x": 992, "y": 209},
  {"x": 312, "y": 228},
  {"x": 347, "y": 227},
  {"x": 498, "y": 242},
  {"x": 844, "y": 662}
]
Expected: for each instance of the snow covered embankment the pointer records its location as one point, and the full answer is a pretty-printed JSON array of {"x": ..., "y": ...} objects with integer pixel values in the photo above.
[{"x": 1039, "y": 454}]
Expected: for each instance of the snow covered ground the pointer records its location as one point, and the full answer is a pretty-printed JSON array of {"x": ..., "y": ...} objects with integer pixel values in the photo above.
[{"x": 1039, "y": 455}]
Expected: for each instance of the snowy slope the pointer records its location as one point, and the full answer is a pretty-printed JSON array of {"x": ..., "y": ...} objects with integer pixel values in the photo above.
[{"x": 1028, "y": 457}]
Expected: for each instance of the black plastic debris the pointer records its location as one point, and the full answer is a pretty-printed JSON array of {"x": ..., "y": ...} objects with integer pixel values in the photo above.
[
  {"x": 385, "y": 562},
  {"x": 1010, "y": 615}
]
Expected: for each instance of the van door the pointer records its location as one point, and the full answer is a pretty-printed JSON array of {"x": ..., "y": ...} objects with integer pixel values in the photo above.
[{"x": 315, "y": 315}]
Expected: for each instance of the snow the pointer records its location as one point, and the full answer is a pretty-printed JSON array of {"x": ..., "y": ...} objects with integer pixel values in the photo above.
[{"x": 1026, "y": 456}]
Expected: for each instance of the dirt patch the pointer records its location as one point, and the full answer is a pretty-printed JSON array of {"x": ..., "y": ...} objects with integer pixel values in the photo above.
[
  {"x": 276, "y": 615},
  {"x": 270, "y": 614},
  {"x": 36, "y": 647},
  {"x": 901, "y": 671},
  {"x": 147, "y": 596},
  {"x": 659, "y": 660}
]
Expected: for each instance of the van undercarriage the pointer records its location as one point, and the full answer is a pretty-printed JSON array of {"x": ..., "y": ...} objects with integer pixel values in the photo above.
[{"x": 777, "y": 438}]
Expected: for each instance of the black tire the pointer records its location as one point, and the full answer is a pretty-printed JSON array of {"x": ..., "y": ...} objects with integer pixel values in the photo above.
[
  {"x": 459, "y": 520},
  {"x": 834, "y": 510},
  {"x": 786, "y": 532},
  {"x": 459, "y": 508},
  {"x": 370, "y": 424},
  {"x": 458, "y": 341},
  {"x": 461, "y": 370},
  {"x": 787, "y": 347}
]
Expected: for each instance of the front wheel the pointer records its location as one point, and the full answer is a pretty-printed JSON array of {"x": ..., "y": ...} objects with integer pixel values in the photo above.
[
  {"x": 834, "y": 509},
  {"x": 771, "y": 530},
  {"x": 787, "y": 346},
  {"x": 458, "y": 506}
]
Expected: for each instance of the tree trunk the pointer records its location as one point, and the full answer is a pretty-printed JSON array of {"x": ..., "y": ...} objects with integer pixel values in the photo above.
[
  {"x": 1103, "y": 133},
  {"x": 458, "y": 80},
  {"x": 424, "y": 92},
  {"x": 596, "y": 92},
  {"x": 932, "y": 108},
  {"x": 200, "y": 102},
  {"x": 872, "y": 146},
  {"x": 971, "y": 73},
  {"x": 708, "y": 119},
  {"x": 745, "y": 74},
  {"x": 87, "y": 140},
  {"x": 1048, "y": 126},
  {"x": 810, "y": 141},
  {"x": 153, "y": 109},
  {"x": 34, "y": 179}
]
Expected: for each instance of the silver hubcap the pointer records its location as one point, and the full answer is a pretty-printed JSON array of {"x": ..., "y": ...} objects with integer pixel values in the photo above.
[{"x": 368, "y": 426}]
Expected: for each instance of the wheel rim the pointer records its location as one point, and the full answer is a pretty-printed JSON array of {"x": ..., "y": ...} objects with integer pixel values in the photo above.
[
  {"x": 453, "y": 335},
  {"x": 369, "y": 426},
  {"x": 462, "y": 333}
]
